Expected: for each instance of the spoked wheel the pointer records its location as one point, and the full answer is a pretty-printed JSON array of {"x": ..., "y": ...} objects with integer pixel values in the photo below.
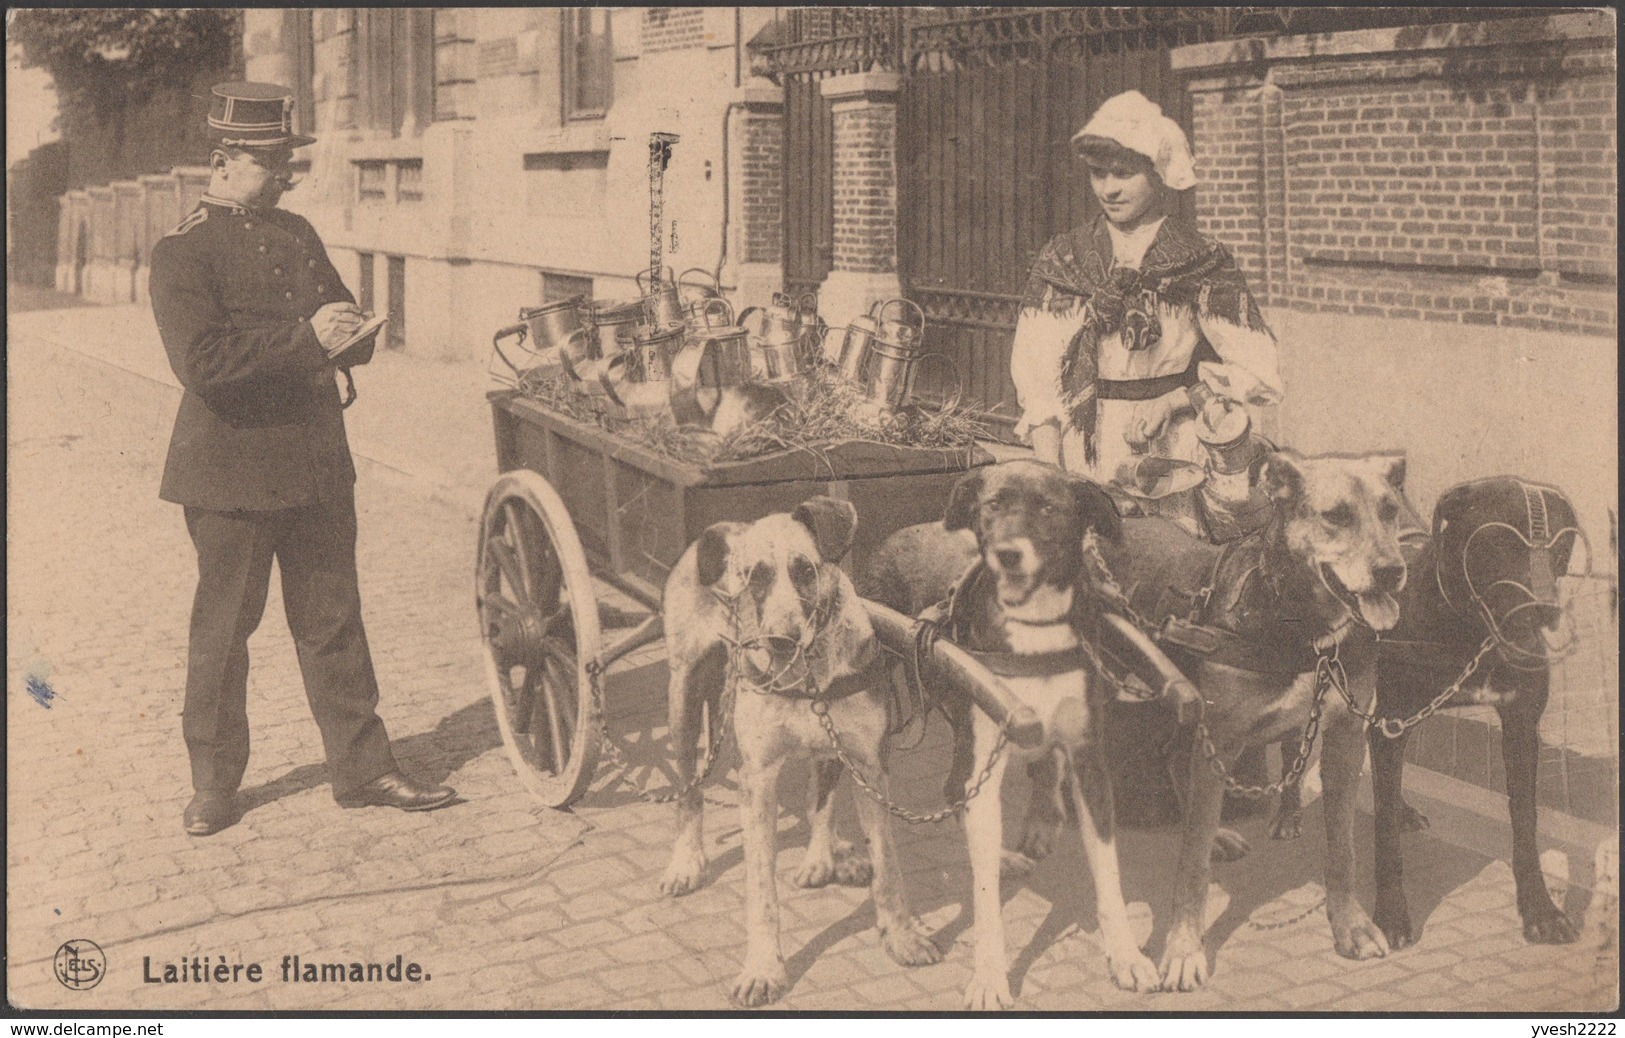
[{"x": 539, "y": 621}]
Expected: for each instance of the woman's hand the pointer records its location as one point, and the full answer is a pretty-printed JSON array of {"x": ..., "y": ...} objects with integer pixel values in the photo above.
[{"x": 1153, "y": 416}]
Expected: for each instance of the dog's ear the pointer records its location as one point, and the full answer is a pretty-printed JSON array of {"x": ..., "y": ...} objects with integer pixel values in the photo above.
[
  {"x": 1391, "y": 467},
  {"x": 1449, "y": 507},
  {"x": 832, "y": 523},
  {"x": 1096, "y": 508},
  {"x": 711, "y": 553},
  {"x": 1282, "y": 479},
  {"x": 962, "y": 502}
]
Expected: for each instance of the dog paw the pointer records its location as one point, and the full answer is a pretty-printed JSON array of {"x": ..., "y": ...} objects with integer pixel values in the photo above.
[
  {"x": 1039, "y": 838},
  {"x": 1014, "y": 864},
  {"x": 985, "y": 994},
  {"x": 757, "y": 986},
  {"x": 683, "y": 876},
  {"x": 1411, "y": 820},
  {"x": 1394, "y": 920},
  {"x": 1549, "y": 926},
  {"x": 814, "y": 872},
  {"x": 1356, "y": 936},
  {"x": 1229, "y": 845},
  {"x": 908, "y": 944},
  {"x": 1132, "y": 971},
  {"x": 1184, "y": 963},
  {"x": 853, "y": 868},
  {"x": 1287, "y": 824}
]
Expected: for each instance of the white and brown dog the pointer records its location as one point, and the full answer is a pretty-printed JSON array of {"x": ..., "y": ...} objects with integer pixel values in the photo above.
[
  {"x": 1024, "y": 597},
  {"x": 764, "y": 607}
]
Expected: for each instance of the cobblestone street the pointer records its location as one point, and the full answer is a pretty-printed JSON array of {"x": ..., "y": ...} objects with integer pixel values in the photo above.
[{"x": 508, "y": 905}]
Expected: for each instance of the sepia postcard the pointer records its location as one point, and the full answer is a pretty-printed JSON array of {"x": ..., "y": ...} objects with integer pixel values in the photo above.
[{"x": 826, "y": 509}]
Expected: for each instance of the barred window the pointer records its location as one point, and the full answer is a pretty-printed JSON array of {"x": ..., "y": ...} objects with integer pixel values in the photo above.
[
  {"x": 409, "y": 180},
  {"x": 371, "y": 183},
  {"x": 395, "y": 47},
  {"x": 589, "y": 62}
]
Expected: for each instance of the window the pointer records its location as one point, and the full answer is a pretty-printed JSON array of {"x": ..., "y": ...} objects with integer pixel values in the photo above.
[
  {"x": 395, "y": 48},
  {"x": 409, "y": 180},
  {"x": 371, "y": 183},
  {"x": 299, "y": 26},
  {"x": 368, "y": 290},
  {"x": 396, "y": 338},
  {"x": 588, "y": 63}
]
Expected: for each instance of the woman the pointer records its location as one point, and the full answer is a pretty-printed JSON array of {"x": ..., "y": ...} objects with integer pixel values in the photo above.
[{"x": 1126, "y": 319}]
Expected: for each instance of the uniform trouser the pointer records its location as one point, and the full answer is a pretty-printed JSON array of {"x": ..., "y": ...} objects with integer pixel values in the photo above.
[{"x": 314, "y": 547}]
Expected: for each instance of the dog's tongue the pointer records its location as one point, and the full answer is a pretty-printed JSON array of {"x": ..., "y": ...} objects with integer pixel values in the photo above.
[{"x": 1380, "y": 610}]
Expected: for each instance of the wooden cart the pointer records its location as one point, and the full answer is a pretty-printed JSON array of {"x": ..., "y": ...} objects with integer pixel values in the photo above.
[{"x": 577, "y": 503}]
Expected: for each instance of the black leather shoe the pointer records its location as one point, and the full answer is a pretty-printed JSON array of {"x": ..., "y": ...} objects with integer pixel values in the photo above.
[
  {"x": 396, "y": 790},
  {"x": 210, "y": 812}
]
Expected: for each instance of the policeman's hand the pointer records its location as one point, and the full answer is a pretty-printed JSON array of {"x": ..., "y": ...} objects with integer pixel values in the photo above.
[{"x": 336, "y": 322}]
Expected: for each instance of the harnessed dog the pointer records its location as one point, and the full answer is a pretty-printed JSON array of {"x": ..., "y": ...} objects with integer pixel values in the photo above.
[
  {"x": 1480, "y": 625},
  {"x": 1261, "y": 624},
  {"x": 1031, "y": 594},
  {"x": 760, "y": 614}
]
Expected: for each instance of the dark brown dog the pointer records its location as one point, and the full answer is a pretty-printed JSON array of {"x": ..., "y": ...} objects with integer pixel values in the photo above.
[
  {"x": 765, "y": 606},
  {"x": 1486, "y": 582}
]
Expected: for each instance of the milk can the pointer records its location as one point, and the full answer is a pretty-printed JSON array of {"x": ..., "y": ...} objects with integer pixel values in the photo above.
[
  {"x": 1225, "y": 431},
  {"x": 779, "y": 343},
  {"x": 886, "y": 376},
  {"x": 722, "y": 346},
  {"x": 551, "y": 329},
  {"x": 696, "y": 287},
  {"x": 611, "y": 325},
  {"x": 662, "y": 303},
  {"x": 653, "y": 351}
]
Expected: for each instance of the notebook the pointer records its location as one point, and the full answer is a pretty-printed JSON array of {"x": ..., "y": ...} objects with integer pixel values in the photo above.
[{"x": 362, "y": 334}]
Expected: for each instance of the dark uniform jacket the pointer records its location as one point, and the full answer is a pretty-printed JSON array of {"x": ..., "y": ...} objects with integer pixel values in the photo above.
[{"x": 260, "y": 425}]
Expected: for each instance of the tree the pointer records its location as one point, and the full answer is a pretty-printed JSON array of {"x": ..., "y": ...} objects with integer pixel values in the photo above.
[
  {"x": 131, "y": 84},
  {"x": 105, "y": 60}
]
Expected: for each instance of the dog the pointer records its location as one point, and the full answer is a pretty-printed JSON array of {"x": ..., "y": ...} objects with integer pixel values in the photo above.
[
  {"x": 1250, "y": 622},
  {"x": 1484, "y": 587},
  {"x": 763, "y": 607},
  {"x": 1019, "y": 537}
]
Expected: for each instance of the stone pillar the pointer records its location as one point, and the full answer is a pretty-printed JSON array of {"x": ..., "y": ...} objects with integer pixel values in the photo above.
[
  {"x": 864, "y": 269},
  {"x": 755, "y": 267}
]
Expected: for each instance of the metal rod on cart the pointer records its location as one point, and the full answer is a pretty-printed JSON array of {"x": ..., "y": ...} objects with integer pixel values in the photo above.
[
  {"x": 659, "y": 155},
  {"x": 956, "y": 672}
]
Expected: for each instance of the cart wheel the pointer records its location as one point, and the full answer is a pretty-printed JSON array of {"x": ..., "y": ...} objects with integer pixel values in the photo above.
[{"x": 539, "y": 621}]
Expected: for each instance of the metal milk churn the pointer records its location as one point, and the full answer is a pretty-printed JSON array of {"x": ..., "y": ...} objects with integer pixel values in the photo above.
[
  {"x": 886, "y": 373},
  {"x": 662, "y": 303},
  {"x": 778, "y": 344},
  {"x": 611, "y": 325},
  {"x": 552, "y": 329},
  {"x": 715, "y": 357},
  {"x": 696, "y": 287},
  {"x": 1225, "y": 430},
  {"x": 654, "y": 349}
]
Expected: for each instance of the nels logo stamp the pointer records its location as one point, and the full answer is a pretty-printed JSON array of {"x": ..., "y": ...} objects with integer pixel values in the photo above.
[{"x": 80, "y": 964}]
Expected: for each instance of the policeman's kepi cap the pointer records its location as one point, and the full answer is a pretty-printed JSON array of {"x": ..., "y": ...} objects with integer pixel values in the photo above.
[{"x": 253, "y": 115}]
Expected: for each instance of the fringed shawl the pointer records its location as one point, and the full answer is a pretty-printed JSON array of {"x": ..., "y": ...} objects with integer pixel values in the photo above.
[{"x": 1181, "y": 268}]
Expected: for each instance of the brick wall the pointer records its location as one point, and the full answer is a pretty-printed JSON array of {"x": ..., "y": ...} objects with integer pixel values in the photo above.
[
  {"x": 762, "y": 153},
  {"x": 672, "y": 28},
  {"x": 1447, "y": 174},
  {"x": 865, "y": 189}
]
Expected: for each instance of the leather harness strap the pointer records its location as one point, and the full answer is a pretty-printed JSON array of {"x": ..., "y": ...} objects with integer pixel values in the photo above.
[{"x": 1033, "y": 665}]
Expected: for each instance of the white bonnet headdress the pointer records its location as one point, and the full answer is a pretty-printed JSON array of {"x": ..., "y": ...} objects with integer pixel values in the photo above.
[{"x": 1135, "y": 122}]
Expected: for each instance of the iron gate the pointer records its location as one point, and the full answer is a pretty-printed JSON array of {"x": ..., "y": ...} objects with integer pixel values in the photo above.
[{"x": 985, "y": 170}]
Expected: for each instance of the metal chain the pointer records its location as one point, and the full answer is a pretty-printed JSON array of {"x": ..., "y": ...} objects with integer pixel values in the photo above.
[
  {"x": 1393, "y": 727},
  {"x": 821, "y": 709},
  {"x": 1305, "y": 744},
  {"x": 1294, "y": 921},
  {"x": 612, "y": 753},
  {"x": 1121, "y": 684}
]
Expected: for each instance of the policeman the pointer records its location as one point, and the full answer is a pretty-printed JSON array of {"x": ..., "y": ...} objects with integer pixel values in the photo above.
[{"x": 256, "y": 323}]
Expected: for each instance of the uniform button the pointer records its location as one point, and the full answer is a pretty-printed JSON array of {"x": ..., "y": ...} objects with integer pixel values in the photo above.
[
  {"x": 321, "y": 290},
  {"x": 248, "y": 225},
  {"x": 264, "y": 249},
  {"x": 276, "y": 270},
  {"x": 287, "y": 295},
  {"x": 311, "y": 264}
]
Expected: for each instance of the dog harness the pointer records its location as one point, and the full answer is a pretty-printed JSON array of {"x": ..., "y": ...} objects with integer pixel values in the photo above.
[{"x": 1004, "y": 664}]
